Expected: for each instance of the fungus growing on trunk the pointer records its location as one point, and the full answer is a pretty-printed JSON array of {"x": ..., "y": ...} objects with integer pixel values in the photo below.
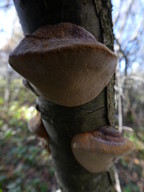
[
  {"x": 64, "y": 63},
  {"x": 97, "y": 150},
  {"x": 36, "y": 126}
]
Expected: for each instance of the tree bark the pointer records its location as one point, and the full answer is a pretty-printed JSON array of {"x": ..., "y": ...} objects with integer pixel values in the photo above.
[{"x": 62, "y": 123}]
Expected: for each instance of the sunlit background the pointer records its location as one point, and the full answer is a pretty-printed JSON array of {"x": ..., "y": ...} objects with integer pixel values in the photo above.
[{"x": 24, "y": 166}]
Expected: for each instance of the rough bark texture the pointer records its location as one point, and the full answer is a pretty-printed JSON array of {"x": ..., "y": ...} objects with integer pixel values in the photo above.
[{"x": 64, "y": 122}]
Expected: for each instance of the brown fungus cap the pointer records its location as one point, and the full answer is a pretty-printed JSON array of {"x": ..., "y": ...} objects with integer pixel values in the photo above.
[
  {"x": 36, "y": 126},
  {"x": 64, "y": 63},
  {"x": 97, "y": 150}
]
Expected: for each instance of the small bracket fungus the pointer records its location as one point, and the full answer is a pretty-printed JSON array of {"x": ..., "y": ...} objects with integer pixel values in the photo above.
[
  {"x": 64, "y": 63},
  {"x": 36, "y": 126},
  {"x": 97, "y": 150}
]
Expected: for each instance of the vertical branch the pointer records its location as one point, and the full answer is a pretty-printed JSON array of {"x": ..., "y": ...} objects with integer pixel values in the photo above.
[
  {"x": 7, "y": 91},
  {"x": 119, "y": 100},
  {"x": 117, "y": 182},
  {"x": 62, "y": 123}
]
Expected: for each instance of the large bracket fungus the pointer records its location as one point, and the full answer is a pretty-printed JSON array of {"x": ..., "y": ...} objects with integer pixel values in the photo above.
[
  {"x": 70, "y": 66},
  {"x": 66, "y": 65}
]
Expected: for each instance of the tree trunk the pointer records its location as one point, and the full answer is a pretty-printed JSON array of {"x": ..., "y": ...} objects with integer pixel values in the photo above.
[{"x": 62, "y": 123}]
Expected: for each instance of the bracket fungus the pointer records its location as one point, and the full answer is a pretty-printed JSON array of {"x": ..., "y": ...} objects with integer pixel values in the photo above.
[
  {"x": 96, "y": 151},
  {"x": 64, "y": 63},
  {"x": 36, "y": 126}
]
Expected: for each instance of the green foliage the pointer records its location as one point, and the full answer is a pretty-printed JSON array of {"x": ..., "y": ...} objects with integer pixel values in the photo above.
[
  {"x": 131, "y": 167},
  {"x": 131, "y": 188},
  {"x": 24, "y": 166}
]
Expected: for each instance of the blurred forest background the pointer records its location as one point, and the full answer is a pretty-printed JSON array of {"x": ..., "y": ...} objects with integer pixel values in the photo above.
[{"x": 24, "y": 165}]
